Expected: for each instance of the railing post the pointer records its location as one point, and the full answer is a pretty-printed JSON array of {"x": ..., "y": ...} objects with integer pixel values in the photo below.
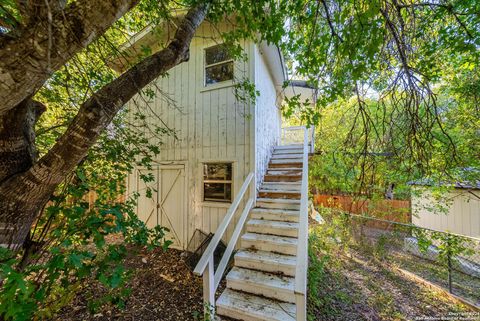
[
  {"x": 449, "y": 264},
  {"x": 301, "y": 304},
  {"x": 209, "y": 290},
  {"x": 312, "y": 143}
]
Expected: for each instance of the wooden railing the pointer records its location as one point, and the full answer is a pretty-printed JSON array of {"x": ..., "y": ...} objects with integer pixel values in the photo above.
[
  {"x": 302, "y": 249},
  {"x": 205, "y": 267},
  {"x": 295, "y": 135}
]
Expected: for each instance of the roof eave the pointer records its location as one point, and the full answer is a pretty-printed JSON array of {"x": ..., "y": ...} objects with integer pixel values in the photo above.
[{"x": 275, "y": 63}]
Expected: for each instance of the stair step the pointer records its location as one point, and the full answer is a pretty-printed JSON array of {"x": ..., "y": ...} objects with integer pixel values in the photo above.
[
  {"x": 286, "y": 204},
  {"x": 284, "y": 171},
  {"x": 261, "y": 283},
  {"x": 290, "y": 146},
  {"x": 289, "y": 229},
  {"x": 286, "y": 155},
  {"x": 295, "y": 160},
  {"x": 260, "y": 286},
  {"x": 270, "y": 243},
  {"x": 281, "y": 186},
  {"x": 282, "y": 194},
  {"x": 282, "y": 178},
  {"x": 266, "y": 261},
  {"x": 285, "y": 165},
  {"x": 288, "y": 151},
  {"x": 275, "y": 214},
  {"x": 249, "y": 307}
]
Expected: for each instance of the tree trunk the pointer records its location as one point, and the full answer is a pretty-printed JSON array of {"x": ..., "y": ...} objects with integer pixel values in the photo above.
[
  {"x": 23, "y": 195},
  {"x": 389, "y": 191},
  {"x": 17, "y": 150},
  {"x": 48, "y": 41},
  {"x": 17, "y": 138}
]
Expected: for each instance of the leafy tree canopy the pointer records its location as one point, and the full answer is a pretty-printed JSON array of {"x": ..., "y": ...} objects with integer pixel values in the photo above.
[
  {"x": 393, "y": 77},
  {"x": 398, "y": 88}
]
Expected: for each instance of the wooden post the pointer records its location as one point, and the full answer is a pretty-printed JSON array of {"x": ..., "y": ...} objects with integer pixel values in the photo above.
[
  {"x": 301, "y": 304},
  {"x": 313, "y": 139},
  {"x": 209, "y": 290}
]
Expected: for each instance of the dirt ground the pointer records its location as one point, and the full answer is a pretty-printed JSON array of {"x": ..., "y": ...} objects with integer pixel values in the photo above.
[
  {"x": 356, "y": 288},
  {"x": 163, "y": 288},
  {"x": 353, "y": 289}
]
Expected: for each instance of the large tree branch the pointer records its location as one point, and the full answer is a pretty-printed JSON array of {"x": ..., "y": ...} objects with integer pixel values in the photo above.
[
  {"x": 40, "y": 181},
  {"x": 400, "y": 48},
  {"x": 31, "y": 10},
  {"x": 45, "y": 45},
  {"x": 330, "y": 22}
]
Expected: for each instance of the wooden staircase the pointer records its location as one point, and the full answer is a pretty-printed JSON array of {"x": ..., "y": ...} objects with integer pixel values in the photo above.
[
  {"x": 268, "y": 281},
  {"x": 261, "y": 285}
]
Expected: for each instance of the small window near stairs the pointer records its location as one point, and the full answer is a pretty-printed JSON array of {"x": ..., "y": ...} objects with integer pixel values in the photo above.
[
  {"x": 218, "y": 65},
  {"x": 217, "y": 182}
]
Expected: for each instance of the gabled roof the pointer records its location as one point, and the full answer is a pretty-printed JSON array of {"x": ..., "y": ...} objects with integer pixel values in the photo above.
[
  {"x": 463, "y": 184},
  {"x": 155, "y": 36},
  {"x": 459, "y": 185}
]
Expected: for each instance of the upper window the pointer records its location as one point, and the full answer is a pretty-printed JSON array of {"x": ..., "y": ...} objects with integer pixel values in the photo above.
[
  {"x": 218, "y": 65},
  {"x": 217, "y": 182}
]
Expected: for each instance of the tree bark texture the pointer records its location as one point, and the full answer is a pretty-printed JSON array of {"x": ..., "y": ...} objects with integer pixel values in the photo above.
[
  {"x": 50, "y": 36},
  {"x": 23, "y": 195},
  {"x": 17, "y": 138}
]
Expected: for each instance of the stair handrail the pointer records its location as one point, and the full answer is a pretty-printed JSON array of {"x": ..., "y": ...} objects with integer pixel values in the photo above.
[
  {"x": 311, "y": 136},
  {"x": 205, "y": 266},
  {"x": 302, "y": 246}
]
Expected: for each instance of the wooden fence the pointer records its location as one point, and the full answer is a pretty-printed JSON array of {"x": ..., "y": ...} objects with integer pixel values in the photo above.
[
  {"x": 389, "y": 210},
  {"x": 91, "y": 197}
]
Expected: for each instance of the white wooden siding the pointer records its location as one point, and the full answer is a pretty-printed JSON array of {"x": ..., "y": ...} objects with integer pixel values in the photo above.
[
  {"x": 267, "y": 116},
  {"x": 463, "y": 215},
  {"x": 210, "y": 126}
]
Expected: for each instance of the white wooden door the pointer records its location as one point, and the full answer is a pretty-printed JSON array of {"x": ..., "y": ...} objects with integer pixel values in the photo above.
[
  {"x": 167, "y": 205},
  {"x": 147, "y": 201}
]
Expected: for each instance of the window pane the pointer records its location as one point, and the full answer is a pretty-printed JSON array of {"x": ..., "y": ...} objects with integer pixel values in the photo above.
[
  {"x": 217, "y": 192},
  {"x": 217, "y": 171},
  {"x": 216, "y": 54},
  {"x": 219, "y": 73}
]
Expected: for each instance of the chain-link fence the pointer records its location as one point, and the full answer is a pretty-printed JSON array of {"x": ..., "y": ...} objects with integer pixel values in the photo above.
[{"x": 449, "y": 260}]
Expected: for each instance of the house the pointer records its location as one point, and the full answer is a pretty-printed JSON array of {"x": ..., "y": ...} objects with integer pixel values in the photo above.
[
  {"x": 217, "y": 139},
  {"x": 457, "y": 211},
  {"x": 229, "y": 169}
]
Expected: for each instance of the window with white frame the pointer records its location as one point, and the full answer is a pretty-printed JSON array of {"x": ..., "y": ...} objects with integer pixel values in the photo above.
[
  {"x": 217, "y": 182},
  {"x": 218, "y": 65}
]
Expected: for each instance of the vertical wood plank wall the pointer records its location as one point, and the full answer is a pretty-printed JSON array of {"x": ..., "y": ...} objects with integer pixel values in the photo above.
[
  {"x": 210, "y": 126},
  {"x": 463, "y": 215}
]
